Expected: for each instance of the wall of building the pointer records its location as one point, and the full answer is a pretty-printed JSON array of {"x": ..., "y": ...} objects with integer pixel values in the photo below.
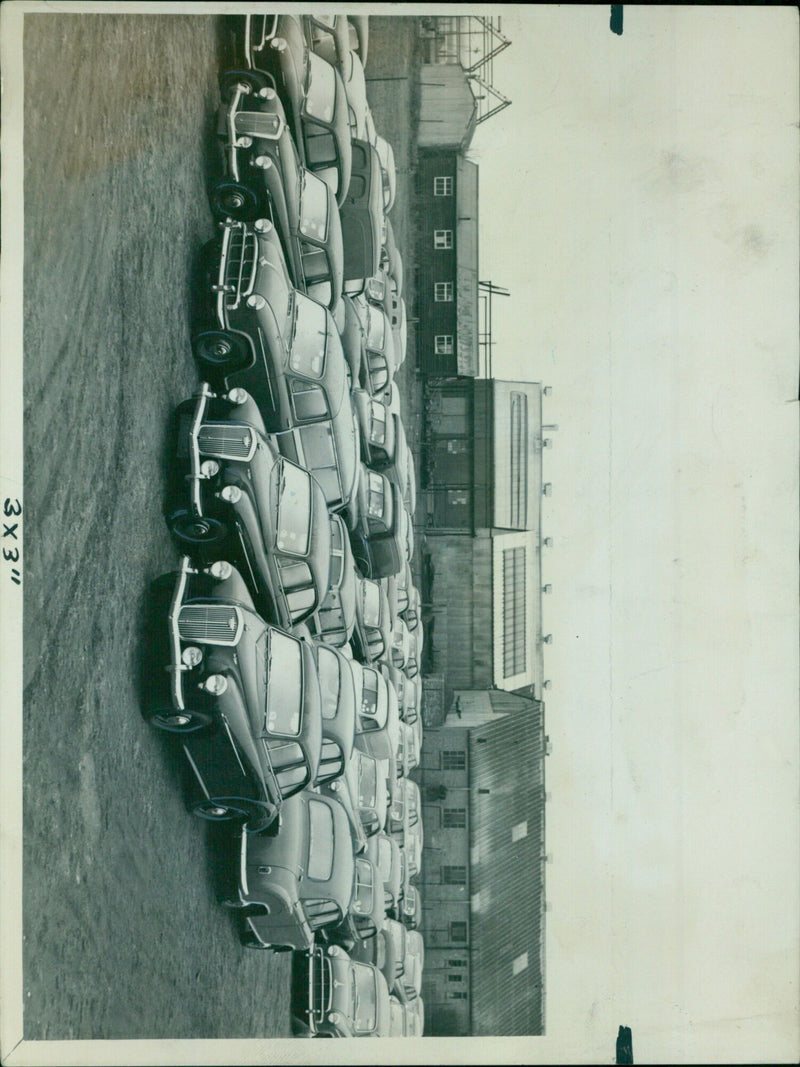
[
  {"x": 447, "y": 106},
  {"x": 435, "y": 264}
]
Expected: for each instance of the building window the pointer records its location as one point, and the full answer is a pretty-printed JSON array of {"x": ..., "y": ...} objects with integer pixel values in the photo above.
[
  {"x": 456, "y": 963},
  {"x": 455, "y": 977},
  {"x": 456, "y": 994},
  {"x": 454, "y": 875},
  {"x": 519, "y": 458},
  {"x": 457, "y": 445},
  {"x": 454, "y": 818},
  {"x": 514, "y": 647},
  {"x": 458, "y": 931},
  {"x": 443, "y": 186},
  {"x": 520, "y": 964},
  {"x": 454, "y": 761},
  {"x": 519, "y": 831},
  {"x": 443, "y": 292},
  {"x": 458, "y": 497},
  {"x": 443, "y": 239},
  {"x": 443, "y": 344}
]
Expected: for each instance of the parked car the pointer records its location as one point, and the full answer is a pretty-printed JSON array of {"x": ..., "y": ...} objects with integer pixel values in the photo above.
[
  {"x": 361, "y": 213},
  {"x": 372, "y": 630},
  {"x": 311, "y": 90},
  {"x": 263, "y": 177},
  {"x": 383, "y": 439},
  {"x": 384, "y": 852},
  {"x": 289, "y": 887},
  {"x": 338, "y": 706},
  {"x": 400, "y": 645},
  {"x": 407, "y": 754},
  {"x": 378, "y": 717},
  {"x": 366, "y": 781},
  {"x": 397, "y": 1017},
  {"x": 415, "y": 1017},
  {"x": 405, "y": 811},
  {"x": 413, "y": 611},
  {"x": 411, "y": 907},
  {"x": 233, "y": 497},
  {"x": 386, "y": 951},
  {"x": 334, "y": 620},
  {"x": 413, "y": 663},
  {"x": 328, "y": 36},
  {"x": 342, "y": 997},
  {"x": 391, "y": 260},
  {"x": 379, "y": 540},
  {"x": 359, "y": 35},
  {"x": 377, "y": 355},
  {"x": 364, "y": 918},
  {"x": 267, "y": 337},
  {"x": 409, "y": 985},
  {"x": 413, "y": 839},
  {"x": 352, "y": 336},
  {"x": 243, "y": 697}
]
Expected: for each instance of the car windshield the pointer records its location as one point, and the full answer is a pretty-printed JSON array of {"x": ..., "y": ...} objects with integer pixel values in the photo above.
[
  {"x": 309, "y": 337},
  {"x": 371, "y": 602},
  {"x": 284, "y": 672},
  {"x": 378, "y": 424},
  {"x": 376, "y": 495},
  {"x": 367, "y": 782},
  {"x": 313, "y": 207},
  {"x": 329, "y": 682},
  {"x": 321, "y": 90},
  {"x": 365, "y": 998},
  {"x": 363, "y": 887},
  {"x": 294, "y": 510},
  {"x": 320, "y": 841},
  {"x": 385, "y": 858},
  {"x": 376, "y": 329},
  {"x": 337, "y": 551}
]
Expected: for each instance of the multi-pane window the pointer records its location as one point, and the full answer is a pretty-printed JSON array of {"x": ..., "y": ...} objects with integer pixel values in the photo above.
[
  {"x": 443, "y": 344},
  {"x": 443, "y": 292},
  {"x": 456, "y": 445},
  {"x": 456, "y": 994},
  {"x": 442, "y": 238},
  {"x": 458, "y": 497},
  {"x": 443, "y": 186},
  {"x": 514, "y": 645},
  {"x": 455, "y": 977},
  {"x": 454, "y": 761},
  {"x": 454, "y": 875},
  {"x": 454, "y": 818},
  {"x": 458, "y": 931},
  {"x": 518, "y": 466},
  {"x": 456, "y": 963}
]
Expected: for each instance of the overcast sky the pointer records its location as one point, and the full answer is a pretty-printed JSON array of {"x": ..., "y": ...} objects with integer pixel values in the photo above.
[{"x": 639, "y": 199}]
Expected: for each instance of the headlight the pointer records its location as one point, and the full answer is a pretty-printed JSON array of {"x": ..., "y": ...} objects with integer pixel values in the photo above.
[
  {"x": 263, "y": 162},
  {"x": 262, "y": 226},
  {"x": 209, "y": 467},
  {"x": 256, "y": 302},
  {"x": 278, "y": 43},
  {"x": 267, "y": 93},
  {"x": 231, "y": 493},
  {"x": 334, "y": 950},
  {"x": 220, "y": 570},
  {"x": 216, "y": 684},
  {"x": 191, "y": 656},
  {"x": 237, "y": 395},
  {"x": 244, "y": 142},
  {"x": 335, "y": 1018}
]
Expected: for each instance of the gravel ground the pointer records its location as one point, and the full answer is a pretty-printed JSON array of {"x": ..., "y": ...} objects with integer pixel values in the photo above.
[{"x": 123, "y": 937}]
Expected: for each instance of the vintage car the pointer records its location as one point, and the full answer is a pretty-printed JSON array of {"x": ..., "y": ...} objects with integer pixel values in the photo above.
[
  {"x": 413, "y": 664},
  {"x": 407, "y": 754},
  {"x": 391, "y": 260},
  {"x": 290, "y": 886},
  {"x": 411, "y": 907},
  {"x": 372, "y": 630},
  {"x": 377, "y": 713},
  {"x": 334, "y": 620},
  {"x": 384, "y": 852},
  {"x": 361, "y": 213},
  {"x": 338, "y": 705},
  {"x": 405, "y": 582},
  {"x": 359, "y": 35},
  {"x": 412, "y": 613},
  {"x": 380, "y": 538},
  {"x": 232, "y": 497},
  {"x": 413, "y": 840},
  {"x": 388, "y": 171},
  {"x": 328, "y": 36},
  {"x": 386, "y": 951},
  {"x": 383, "y": 439},
  {"x": 415, "y": 1017},
  {"x": 365, "y": 917},
  {"x": 400, "y": 645},
  {"x": 311, "y": 90},
  {"x": 366, "y": 779},
  {"x": 410, "y": 491},
  {"x": 263, "y": 335},
  {"x": 339, "y": 997},
  {"x": 263, "y": 177},
  {"x": 377, "y": 347},
  {"x": 405, "y": 811},
  {"x": 409, "y": 984},
  {"x": 397, "y": 1017},
  {"x": 242, "y": 697}
]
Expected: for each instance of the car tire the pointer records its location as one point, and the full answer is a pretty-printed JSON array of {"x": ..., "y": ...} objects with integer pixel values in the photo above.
[
  {"x": 173, "y": 721},
  {"x": 193, "y": 531},
  {"x": 220, "y": 352},
  {"x": 235, "y": 200},
  {"x": 218, "y": 810},
  {"x": 252, "y": 78}
]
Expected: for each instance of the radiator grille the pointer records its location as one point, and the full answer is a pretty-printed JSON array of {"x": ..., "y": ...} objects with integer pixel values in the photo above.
[
  {"x": 214, "y": 624},
  {"x": 227, "y": 440}
]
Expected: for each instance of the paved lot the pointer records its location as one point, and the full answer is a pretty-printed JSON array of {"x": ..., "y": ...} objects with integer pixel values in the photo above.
[{"x": 123, "y": 937}]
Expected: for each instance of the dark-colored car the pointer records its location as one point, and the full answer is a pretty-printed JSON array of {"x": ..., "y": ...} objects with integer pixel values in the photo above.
[
  {"x": 263, "y": 176},
  {"x": 233, "y": 497},
  {"x": 289, "y": 887},
  {"x": 242, "y": 696},
  {"x": 265, "y": 336},
  {"x": 380, "y": 538},
  {"x": 361, "y": 212},
  {"x": 310, "y": 88},
  {"x": 333, "y": 622},
  {"x": 339, "y": 997}
]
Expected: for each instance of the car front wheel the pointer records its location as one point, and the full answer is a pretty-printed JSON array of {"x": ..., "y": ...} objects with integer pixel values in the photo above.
[
  {"x": 221, "y": 352},
  {"x": 253, "y": 79},
  {"x": 176, "y": 721},
  {"x": 235, "y": 200},
  {"x": 194, "y": 530}
]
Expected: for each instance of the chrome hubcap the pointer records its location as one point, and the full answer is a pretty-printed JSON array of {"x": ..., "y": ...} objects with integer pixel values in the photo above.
[{"x": 175, "y": 720}]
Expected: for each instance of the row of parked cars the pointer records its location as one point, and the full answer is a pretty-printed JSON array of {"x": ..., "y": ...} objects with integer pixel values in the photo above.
[{"x": 288, "y": 642}]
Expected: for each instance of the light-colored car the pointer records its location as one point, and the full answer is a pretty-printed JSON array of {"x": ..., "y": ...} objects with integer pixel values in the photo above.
[
  {"x": 377, "y": 712},
  {"x": 344, "y": 998}
]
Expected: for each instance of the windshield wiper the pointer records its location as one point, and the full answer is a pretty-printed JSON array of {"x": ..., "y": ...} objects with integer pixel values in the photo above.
[{"x": 268, "y": 678}]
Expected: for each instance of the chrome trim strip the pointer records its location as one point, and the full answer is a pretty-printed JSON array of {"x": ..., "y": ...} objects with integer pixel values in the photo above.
[
  {"x": 176, "y": 666},
  {"x": 243, "y": 888},
  {"x": 233, "y": 162},
  {"x": 198, "y": 775},
  {"x": 219, "y": 288},
  {"x": 227, "y": 729},
  {"x": 249, "y": 47}
]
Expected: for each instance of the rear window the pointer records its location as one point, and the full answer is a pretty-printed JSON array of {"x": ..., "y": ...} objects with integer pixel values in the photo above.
[
  {"x": 313, "y": 207},
  {"x": 321, "y": 89},
  {"x": 294, "y": 510},
  {"x": 283, "y": 713},
  {"x": 376, "y": 329},
  {"x": 329, "y": 682},
  {"x": 320, "y": 841}
]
